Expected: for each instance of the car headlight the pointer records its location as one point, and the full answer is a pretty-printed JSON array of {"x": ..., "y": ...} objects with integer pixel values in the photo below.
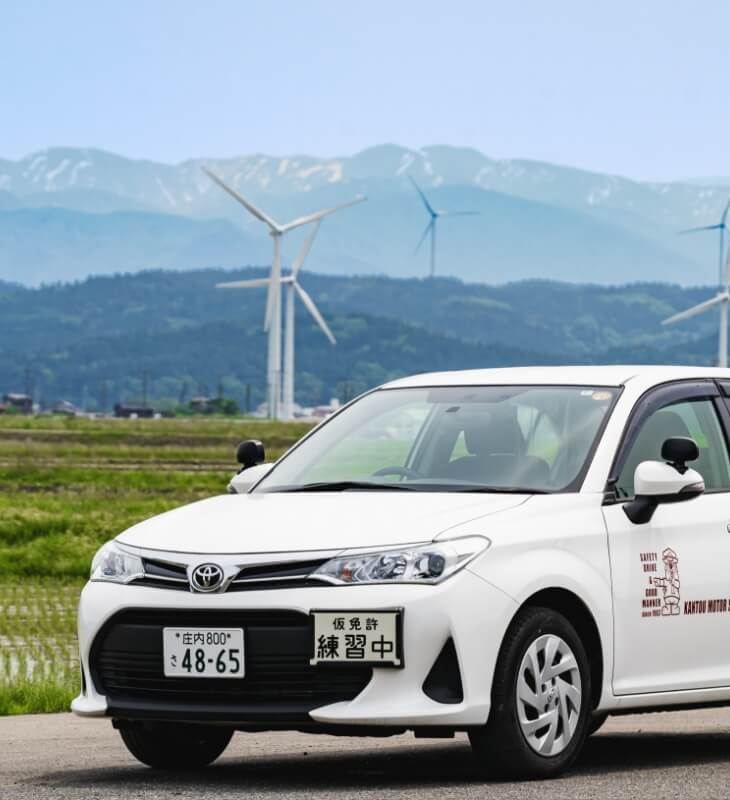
[
  {"x": 420, "y": 563},
  {"x": 112, "y": 563}
]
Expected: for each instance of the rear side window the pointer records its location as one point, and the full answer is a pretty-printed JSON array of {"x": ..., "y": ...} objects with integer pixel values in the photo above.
[{"x": 695, "y": 418}]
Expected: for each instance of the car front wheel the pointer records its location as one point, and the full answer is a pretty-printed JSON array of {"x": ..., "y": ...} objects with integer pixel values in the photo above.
[
  {"x": 174, "y": 746},
  {"x": 541, "y": 700}
]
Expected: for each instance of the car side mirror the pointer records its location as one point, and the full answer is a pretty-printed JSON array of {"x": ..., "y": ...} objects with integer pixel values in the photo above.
[
  {"x": 250, "y": 453},
  {"x": 672, "y": 482}
]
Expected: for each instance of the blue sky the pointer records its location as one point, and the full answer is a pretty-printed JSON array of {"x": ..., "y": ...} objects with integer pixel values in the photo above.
[{"x": 634, "y": 88}]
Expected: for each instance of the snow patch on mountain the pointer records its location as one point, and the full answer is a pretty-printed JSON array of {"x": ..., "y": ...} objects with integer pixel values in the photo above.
[
  {"x": 405, "y": 163},
  {"x": 336, "y": 172},
  {"x": 598, "y": 194},
  {"x": 76, "y": 169},
  {"x": 51, "y": 175},
  {"x": 168, "y": 194},
  {"x": 33, "y": 170}
]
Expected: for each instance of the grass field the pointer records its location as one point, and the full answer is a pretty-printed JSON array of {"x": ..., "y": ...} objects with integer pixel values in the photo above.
[{"x": 66, "y": 486}]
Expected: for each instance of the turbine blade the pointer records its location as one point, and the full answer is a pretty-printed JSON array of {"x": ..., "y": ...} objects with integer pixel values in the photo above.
[
  {"x": 257, "y": 212},
  {"x": 723, "y": 218},
  {"x": 698, "y": 309},
  {"x": 249, "y": 284},
  {"x": 424, "y": 235},
  {"x": 325, "y": 212},
  {"x": 314, "y": 311},
  {"x": 428, "y": 205},
  {"x": 459, "y": 213},
  {"x": 703, "y": 228},
  {"x": 304, "y": 252}
]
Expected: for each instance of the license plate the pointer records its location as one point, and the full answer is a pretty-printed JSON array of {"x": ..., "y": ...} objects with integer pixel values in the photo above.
[
  {"x": 357, "y": 637},
  {"x": 203, "y": 652}
]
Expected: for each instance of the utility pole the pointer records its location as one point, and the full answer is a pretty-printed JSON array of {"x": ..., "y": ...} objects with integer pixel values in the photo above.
[
  {"x": 248, "y": 398},
  {"x": 145, "y": 379},
  {"x": 104, "y": 398}
]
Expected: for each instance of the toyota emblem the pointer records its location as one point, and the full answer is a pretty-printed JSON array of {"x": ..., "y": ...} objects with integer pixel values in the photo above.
[{"x": 206, "y": 578}]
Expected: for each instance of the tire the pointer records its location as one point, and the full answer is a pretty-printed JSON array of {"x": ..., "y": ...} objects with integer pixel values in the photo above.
[
  {"x": 513, "y": 743},
  {"x": 175, "y": 746},
  {"x": 596, "y": 723}
]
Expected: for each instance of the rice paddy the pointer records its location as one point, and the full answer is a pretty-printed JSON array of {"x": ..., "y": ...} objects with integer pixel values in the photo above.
[{"x": 68, "y": 485}]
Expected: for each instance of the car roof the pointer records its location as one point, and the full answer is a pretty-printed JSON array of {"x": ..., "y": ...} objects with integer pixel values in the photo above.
[{"x": 562, "y": 376}]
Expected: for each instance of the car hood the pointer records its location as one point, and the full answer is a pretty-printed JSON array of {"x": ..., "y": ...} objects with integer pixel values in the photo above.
[{"x": 290, "y": 522}]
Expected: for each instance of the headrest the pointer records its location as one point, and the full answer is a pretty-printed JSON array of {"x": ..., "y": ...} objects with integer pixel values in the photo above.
[
  {"x": 494, "y": 433},
  {"x": 662, "y": 426}
]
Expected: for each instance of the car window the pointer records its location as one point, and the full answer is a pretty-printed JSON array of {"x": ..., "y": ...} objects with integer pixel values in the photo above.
[
  {"x": 694, "y": 418},
  {"x": 385, "y": 440}
]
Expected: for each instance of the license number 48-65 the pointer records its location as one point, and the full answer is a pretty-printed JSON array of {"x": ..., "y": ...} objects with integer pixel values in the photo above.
[{"x": 203, "y": 652}]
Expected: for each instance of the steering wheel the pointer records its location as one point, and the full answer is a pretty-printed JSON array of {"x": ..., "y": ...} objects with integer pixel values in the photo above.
[{"x": 404, "y": 472}]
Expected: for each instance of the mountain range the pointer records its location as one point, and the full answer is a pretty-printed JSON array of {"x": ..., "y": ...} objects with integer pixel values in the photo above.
[{"x": 66, "y": 213}]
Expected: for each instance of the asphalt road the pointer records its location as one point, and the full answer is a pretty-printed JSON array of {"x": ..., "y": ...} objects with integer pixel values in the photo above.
[{"x": 680, "y": 754}]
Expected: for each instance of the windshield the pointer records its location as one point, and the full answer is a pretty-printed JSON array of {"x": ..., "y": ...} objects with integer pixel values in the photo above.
[{"x": 473, "y": 438}]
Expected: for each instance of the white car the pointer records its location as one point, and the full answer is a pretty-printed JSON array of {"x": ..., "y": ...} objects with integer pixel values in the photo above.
[{"x": 513, "y": 553}]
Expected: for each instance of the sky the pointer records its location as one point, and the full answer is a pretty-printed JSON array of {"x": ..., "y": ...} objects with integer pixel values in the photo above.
[{"x": 626, "y": 87}]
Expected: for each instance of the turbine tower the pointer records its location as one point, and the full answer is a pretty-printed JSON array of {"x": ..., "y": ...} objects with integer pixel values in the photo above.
[
  {"x": 435, "y": 214},
  {"x": 722, "y": 227},
  {"x": 293, "y": 288},
  {"x": 722, "y": 298},
  {"x": 272, "y": 322}
]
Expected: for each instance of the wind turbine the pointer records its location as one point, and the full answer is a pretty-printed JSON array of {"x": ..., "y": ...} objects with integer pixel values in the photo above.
[
  {"x": 720, "y": 226},
  {"x": 293, "y": 288},
  {"x": 272, "y": 322},
  {"x": 722, "y": 298},
  {"x": 435, "y": 214}
]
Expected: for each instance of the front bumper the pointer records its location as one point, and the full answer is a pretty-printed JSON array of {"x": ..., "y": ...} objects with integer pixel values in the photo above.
[{"x": 465, "y": 608}]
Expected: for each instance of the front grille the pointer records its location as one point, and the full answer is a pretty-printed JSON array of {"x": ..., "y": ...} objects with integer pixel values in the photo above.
[
  {"x": 284, "y": 575},
  {"x": 165, "y": 570},
  {"x": 286, "y": 569},
  {"x": 127, "y": 666}
]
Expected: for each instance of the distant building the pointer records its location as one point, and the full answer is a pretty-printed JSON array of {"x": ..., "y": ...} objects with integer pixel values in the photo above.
[
  {"x": 200, "y": 405},
  {"x": 213, "y": 405},
  {"x": 65, "y": 408},
  {"x": 18, "y": 403},
  {"x": 316, "y": 413},
  {"x": 322, "y": 412},
  {"x": 124, "y": 411}
]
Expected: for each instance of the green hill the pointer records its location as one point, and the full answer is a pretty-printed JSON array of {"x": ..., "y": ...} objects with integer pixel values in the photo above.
[{"x": 98, "y": 336}]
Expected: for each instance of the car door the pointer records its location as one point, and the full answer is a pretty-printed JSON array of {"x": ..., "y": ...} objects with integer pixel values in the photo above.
[{"x": 671, "y": 576}]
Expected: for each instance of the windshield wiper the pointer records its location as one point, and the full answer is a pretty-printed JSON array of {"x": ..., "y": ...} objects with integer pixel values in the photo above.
[{"x": 343, "y": 486}]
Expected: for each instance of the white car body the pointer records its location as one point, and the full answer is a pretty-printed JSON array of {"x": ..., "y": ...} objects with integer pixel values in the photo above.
[{"x": 576, "y": 551}]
